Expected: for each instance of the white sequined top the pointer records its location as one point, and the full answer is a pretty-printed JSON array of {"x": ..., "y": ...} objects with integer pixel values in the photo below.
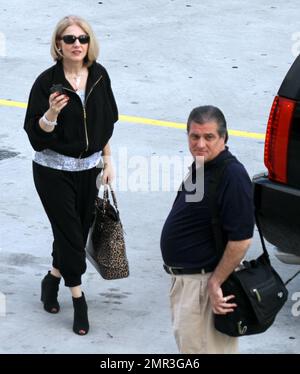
[{"x": 55, "y": 160}]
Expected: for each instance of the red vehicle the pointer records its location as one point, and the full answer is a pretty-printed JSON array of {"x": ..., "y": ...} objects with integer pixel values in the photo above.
[{"x": 277, "y": 193}]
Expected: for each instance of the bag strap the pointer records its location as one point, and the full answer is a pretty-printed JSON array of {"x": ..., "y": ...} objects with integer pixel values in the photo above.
[
  {"x": 108, "y": 189},
  {"x": 265, "y": 249},
  {"x": 220, "y": 242},
  {"x": 214, "y": 181},
  {"x": 219, "y": 238},
  {"x": 294, "y": 276},
  {"x": 262, "y": 240}
]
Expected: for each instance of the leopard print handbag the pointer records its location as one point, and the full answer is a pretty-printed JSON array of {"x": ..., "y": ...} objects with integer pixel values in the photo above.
[{"x": 106, "y": 244}]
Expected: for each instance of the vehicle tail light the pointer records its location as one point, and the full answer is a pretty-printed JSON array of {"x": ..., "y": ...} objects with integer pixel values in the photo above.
[{"x": 277, "y": 138}]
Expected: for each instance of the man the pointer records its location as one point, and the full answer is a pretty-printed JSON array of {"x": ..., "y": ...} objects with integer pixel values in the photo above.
[{"x": 187, "y": 241}]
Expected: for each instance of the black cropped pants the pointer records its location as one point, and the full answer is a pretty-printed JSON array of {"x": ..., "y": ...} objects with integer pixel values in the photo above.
[{"x": 68, "y": 199}]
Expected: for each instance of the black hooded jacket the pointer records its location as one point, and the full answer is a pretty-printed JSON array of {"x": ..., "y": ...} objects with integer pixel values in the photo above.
[{"x": 82, "y": 129}]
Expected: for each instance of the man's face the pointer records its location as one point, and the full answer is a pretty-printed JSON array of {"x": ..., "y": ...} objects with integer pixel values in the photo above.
[{"x": 205, "y": 141}]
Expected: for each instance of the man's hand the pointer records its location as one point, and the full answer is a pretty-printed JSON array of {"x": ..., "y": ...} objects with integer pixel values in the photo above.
[
  {"x": 220, "y": 304},
  {"x": 233, "y": 254}
]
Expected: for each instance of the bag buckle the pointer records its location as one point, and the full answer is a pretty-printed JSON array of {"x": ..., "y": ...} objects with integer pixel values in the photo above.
[
  {"x": 257, "y": 294},
  {"x": 241, "y": 329}
]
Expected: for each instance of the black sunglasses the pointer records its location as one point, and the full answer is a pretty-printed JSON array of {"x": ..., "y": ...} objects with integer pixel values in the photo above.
[{"x": 71, "y": 39}]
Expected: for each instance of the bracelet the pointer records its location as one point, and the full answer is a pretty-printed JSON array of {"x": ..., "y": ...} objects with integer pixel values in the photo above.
[{"x": 47, "y": 122}]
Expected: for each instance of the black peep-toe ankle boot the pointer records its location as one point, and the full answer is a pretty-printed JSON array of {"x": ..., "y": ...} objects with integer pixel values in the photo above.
[
  {"x": 81, "y": 322},
  {"x": 49, "y": 293}
]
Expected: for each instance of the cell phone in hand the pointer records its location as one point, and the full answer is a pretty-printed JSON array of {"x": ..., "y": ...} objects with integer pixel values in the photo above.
[{"x": 57, "y": 88}]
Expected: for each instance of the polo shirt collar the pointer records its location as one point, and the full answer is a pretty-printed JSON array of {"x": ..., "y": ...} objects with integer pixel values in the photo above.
[{"x": 212, "y": 163}]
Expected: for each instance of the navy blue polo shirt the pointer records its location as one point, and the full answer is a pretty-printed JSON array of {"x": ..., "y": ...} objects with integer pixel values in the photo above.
[{"x": 187, "y": 237}]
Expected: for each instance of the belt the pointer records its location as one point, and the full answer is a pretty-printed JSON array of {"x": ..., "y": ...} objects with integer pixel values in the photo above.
[{"x": 181, "y": 271}]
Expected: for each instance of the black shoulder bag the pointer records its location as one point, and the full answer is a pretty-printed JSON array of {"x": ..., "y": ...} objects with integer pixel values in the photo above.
[{"x": 259, "y": 291}]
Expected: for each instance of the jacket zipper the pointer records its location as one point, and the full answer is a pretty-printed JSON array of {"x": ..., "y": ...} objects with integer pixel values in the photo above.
[{"x": 84, "y": 113}]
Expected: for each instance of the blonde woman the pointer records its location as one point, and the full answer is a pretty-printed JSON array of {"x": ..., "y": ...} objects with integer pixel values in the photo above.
[{"x": 69, "y": 121}]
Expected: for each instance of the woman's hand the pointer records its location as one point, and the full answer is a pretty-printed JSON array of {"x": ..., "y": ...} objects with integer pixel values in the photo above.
[
  {"x": 57, "y": 102},
  {"x": 108, "y": 173}
]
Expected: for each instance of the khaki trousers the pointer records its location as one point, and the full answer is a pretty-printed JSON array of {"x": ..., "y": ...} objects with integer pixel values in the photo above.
[{"x": 192, "y": 317}]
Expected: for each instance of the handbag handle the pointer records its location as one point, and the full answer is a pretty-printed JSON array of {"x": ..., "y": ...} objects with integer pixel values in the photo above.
[{"x": 108, "y": 188}]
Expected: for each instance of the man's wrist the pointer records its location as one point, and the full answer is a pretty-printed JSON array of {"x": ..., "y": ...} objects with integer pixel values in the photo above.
[{"x": 213, "y": 283}]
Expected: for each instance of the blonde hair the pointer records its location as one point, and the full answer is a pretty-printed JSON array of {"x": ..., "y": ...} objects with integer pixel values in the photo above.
[{"x": 93, "y": 48}]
